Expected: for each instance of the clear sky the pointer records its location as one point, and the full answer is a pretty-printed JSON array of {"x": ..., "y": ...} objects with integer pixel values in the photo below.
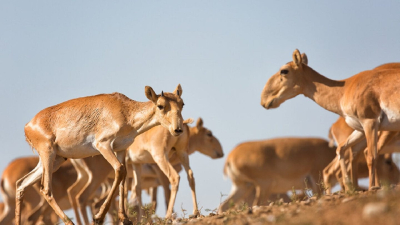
[{"x": 221, "y": 52}]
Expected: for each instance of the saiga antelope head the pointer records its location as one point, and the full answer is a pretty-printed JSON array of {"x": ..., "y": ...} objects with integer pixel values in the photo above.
[
  {"x": 205, "y": 142},
  {"x": 168, "y": 108},
  {"x": 285, "y": 84}
]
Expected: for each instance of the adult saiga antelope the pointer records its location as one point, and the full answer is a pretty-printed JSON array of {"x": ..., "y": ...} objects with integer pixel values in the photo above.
[
  {"x": 275, "y": 166},
  {"x": 369, "y": 102},
  {"x": 103, "y": 124},
  {"x": 386, "y": 169}
]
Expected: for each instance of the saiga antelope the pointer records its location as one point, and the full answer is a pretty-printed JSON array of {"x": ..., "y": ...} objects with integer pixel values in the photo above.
[
  {"x": 339, "y": 131},
  {"x": 386, "y": 169},
  {"x": 369, "y": 101},
  {"x": 33, "y": 203},
  {"x": 200, "y": 139},
  {"x": 103, "y": 124},
  {"x": 275, "y": 166},
  {"x": 155, "y": 145}
]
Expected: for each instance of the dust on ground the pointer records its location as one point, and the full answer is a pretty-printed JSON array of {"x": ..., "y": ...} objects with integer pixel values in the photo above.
[{"x": 371, "y": 207}]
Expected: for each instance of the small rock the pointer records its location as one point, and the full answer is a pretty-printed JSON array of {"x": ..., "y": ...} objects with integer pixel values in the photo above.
[
  {"x": 176, "y": 222},
  {"x": 374, "y": 209},
  {"x": 174, "y": 216},
  {"x": 348, "y": 199},
  {"x": 271, "y": 218},
  {"x": 327, "y": 198},
  {"x": 271, "y": 204},
  {"x": 306, "y": 202},
  {"x": 192, "y": 216},
  {"x": 211, "y": 214}
]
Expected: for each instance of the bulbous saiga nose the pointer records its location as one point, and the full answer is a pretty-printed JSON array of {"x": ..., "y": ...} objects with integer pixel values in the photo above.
[{"x": 178, "y": 130}]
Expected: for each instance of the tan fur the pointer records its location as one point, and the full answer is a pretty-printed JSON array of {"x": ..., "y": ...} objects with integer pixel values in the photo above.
[
  {"x": 387, "y": 170},
  {"x": 33, "y": 204},
  {"x": 157, "y": 146},
  {"x": 199, "y": 138},
  {"x": 369, "y": 101},
  {"x": 275, "y": 166},
  {"x": 103, "y": 124}
]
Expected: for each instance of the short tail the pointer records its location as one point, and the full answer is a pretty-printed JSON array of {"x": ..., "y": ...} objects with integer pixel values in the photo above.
[
  {"x": 331, "y": 138},
  {"x": 226, "y": 168},
  {"x": 29, "y": 141}
]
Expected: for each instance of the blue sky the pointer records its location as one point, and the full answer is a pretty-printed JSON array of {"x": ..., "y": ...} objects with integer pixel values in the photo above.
[{"x": 221, "y": 52}]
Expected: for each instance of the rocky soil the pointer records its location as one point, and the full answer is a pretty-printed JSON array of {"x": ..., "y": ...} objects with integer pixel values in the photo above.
[{"x": 373, "y": 207}]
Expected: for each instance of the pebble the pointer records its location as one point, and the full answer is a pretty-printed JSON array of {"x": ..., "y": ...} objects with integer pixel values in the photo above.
[
  {"x": 192, "y": 216},
  {"x": 271, "y": 204},
  {"x": 348, "y": 199},
  {"x": 306, "y": 202},
  {"x": 374, "y": 209}
]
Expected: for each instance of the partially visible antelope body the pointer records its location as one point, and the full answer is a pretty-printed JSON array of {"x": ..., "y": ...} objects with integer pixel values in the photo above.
[
  {"x": 275, "y": 166},
  {"x": 387, "y": 170},
  {"x": 33, "y": 202}
]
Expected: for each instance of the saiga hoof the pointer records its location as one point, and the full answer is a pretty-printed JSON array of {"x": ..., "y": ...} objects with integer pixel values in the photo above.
[
  {"x": 374, "y": 188},
  {"x": 97, "y": 221},
  {"x": 126, "y": 221}
]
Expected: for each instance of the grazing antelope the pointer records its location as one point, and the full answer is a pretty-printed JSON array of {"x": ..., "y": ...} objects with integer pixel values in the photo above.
[
  {"x": 103, "y": 124},
  {"x": 156, "y": 139},
  {"x": 33, "y": 203},
  {"x": 275, "y": 166},
  {"x": 386, "y": 168},
  {"x": 369, "y": 101}
]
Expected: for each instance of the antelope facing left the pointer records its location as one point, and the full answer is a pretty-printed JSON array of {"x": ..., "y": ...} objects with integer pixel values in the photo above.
[
  {"x": 369, "y": 102},
  {"x": 102, "y": 124}
]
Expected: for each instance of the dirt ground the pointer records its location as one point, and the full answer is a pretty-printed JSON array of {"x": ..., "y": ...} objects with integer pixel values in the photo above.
[{"x": 373, "y": 207}]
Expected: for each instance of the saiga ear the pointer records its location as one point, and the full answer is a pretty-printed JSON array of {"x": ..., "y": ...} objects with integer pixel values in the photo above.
[
  {"x": 297, "y": 58},
  {"x": 178, "y": 90},
  {"x": 188, "y": 121},
  {"x": 304, "y": 58},
  {"x": 150, "y": 94},
  {"x": 199, "y": 123}
]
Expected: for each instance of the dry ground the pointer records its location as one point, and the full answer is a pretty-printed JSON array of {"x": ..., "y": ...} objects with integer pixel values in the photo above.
[{"x": 374, "y": 207}]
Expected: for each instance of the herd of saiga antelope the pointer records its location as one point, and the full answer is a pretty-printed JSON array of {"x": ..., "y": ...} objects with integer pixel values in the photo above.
[{"x": 107, "y": 127}]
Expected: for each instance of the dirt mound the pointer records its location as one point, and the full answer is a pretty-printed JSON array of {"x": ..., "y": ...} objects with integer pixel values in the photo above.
[{"x": 373, "y": 207}]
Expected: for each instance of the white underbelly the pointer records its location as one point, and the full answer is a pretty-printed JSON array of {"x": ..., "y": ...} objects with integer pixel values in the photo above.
[{"x": 353, "y": 123}]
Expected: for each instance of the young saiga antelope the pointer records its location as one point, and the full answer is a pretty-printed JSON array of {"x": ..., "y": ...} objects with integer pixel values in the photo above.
[
  {"x": 103, "y": 124},
  {"x": 369, "y": 101},
  {"x": 387, "y": 170},
  {"x": 156, "y": 145}
]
